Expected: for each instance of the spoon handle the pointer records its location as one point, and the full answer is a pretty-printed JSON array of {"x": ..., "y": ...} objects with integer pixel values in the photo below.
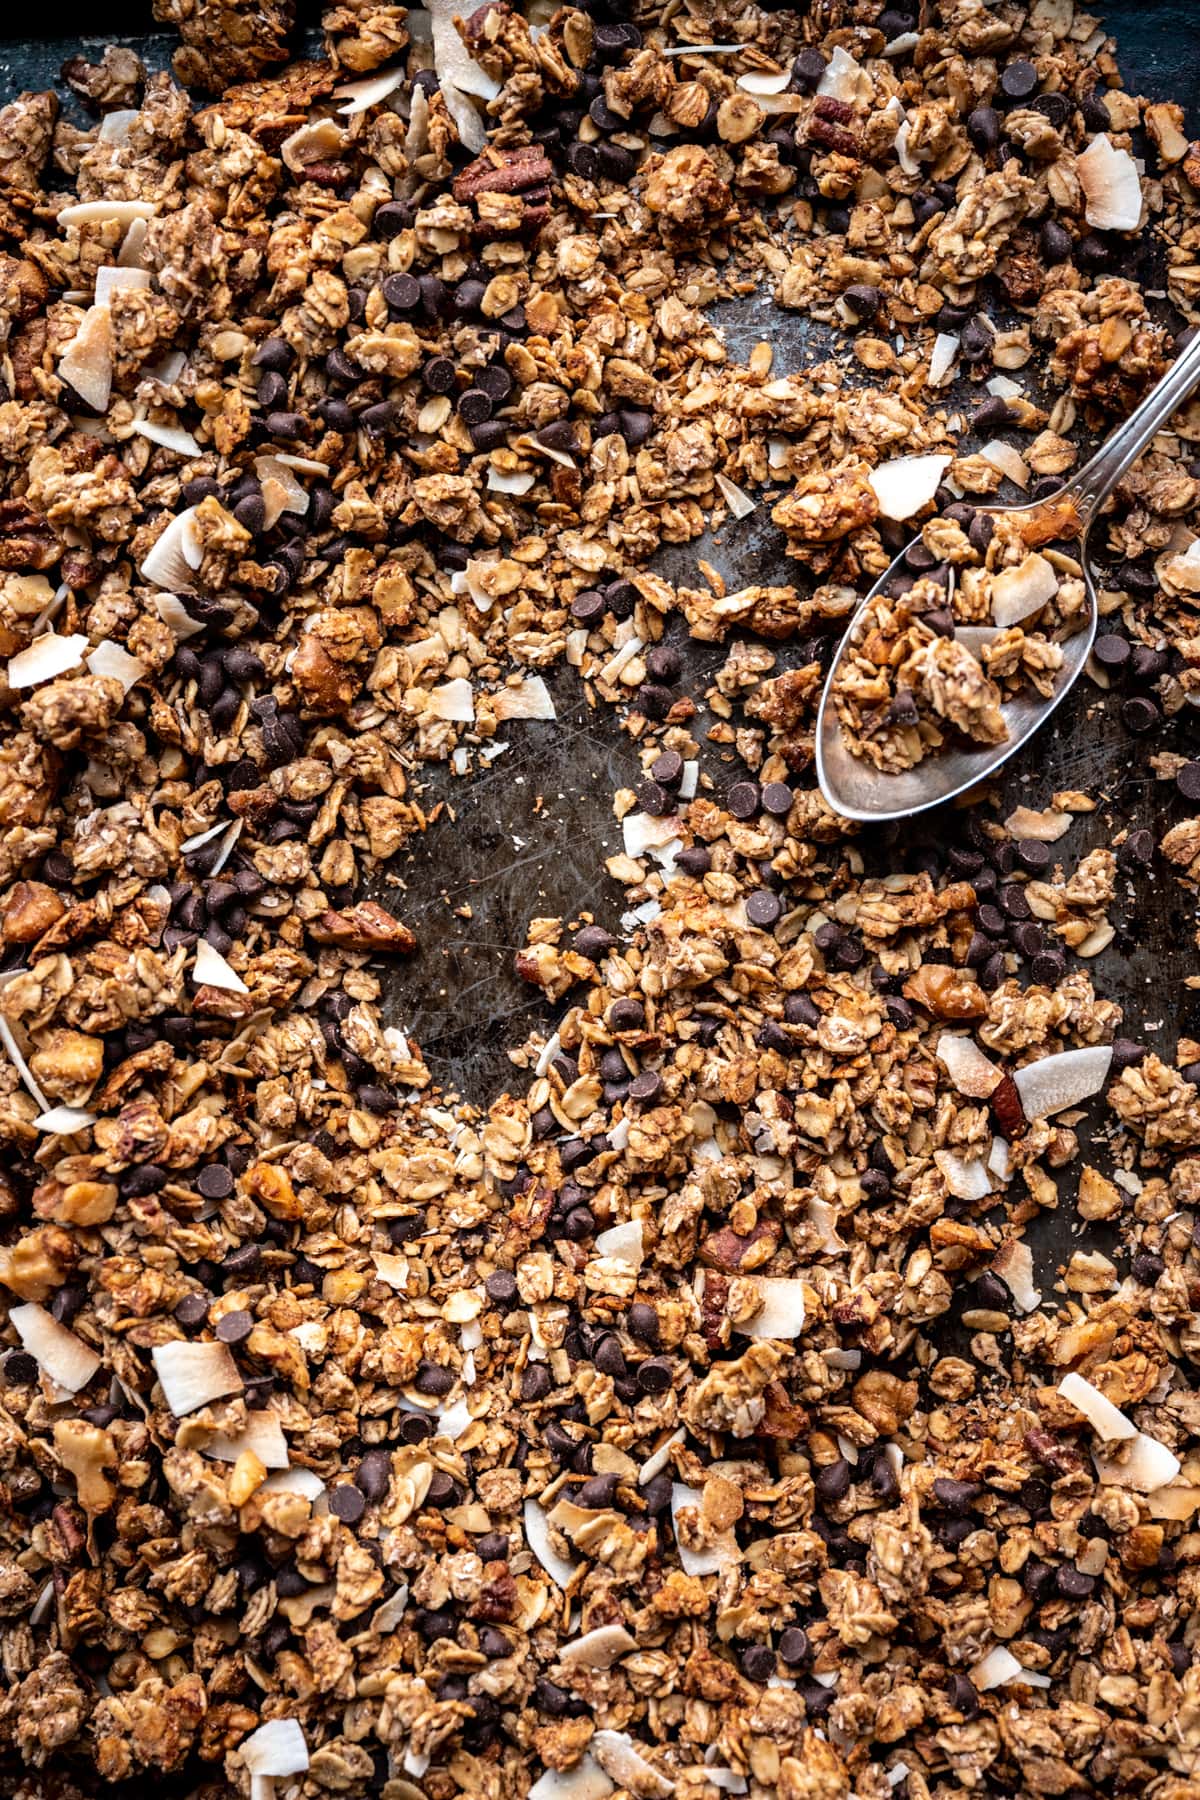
[{"x": 1097, "y": 479}]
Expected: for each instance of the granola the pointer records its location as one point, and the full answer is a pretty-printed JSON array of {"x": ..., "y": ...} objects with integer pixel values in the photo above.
[{"x": 693, "y": 1417}]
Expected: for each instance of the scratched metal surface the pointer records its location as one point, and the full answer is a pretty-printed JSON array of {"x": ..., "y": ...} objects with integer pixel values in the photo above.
[{"x": 530, "y": 834}]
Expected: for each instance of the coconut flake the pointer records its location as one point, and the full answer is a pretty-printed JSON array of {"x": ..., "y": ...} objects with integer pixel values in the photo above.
[
  {"x": 537, "y": 1533},
  {"x": 1056, "y": 1082},
  {"x": 782, "y": 1314},
  {"x": 317, "y": 140},
  {"x": 1018, "y": 592},
  {"x": 529, "y": 699},
  {"x": 904, "y": 157},
  {"x": 1008, "y": 460},
  {"x": 904, "y": 486},
  {"x": 115, "y": 126},
  {"x": 976, "y": 638},
  {"x": 1113, "y": 189},
  {"x": 1047, "y": 827},
  {"x": 695, "y": 1562},
  {"x": 1145, "y": 1466},
  {"x": 453, "y": 701},
  {"x": 64, "y": 1358},
  {"x": 703, "y": 49},
  {"x": 642, "y": 831},
  {"x": 262, "y": 1434},
  {"x": 1013, "y": 1263},
  {"x": 736, "y": 499},
  {"x": 174, "y": 613},
  {"x": 110, "y": 659},
  {"x": 191, "y": 1375},
  {"x": 211, "y": 970},
  {"x": 598, "y": 1649},
  {"x": 63, "y": 1120},
  {"x": 965, "y": 1177},
  {"x": 519, "y": 482},
  {"x": 172, "y": 560},
  {"x": 360, "y": 95},
  {"x": 99, "y": 212},
  {"x": 823, "y": 1219},
  {"x": 113, "y": 276},
  {"x": 585, "y": 1781},
  {"x": 843, "y": 77},
  {"x": 999, "y": 1667},
  {"x": 18, "y": 1061},
  {"x": 293, "y": 495},
  {"x": 624, "y": 1243},
  {"x": 303, "y": 465},
  {"x": 972, "y": 1073},
  {"x": 46, "y": 658},
  {"x": 295, "y": 1481},
  {"x": 133, "y": 247},
  {"x": 620, "y": 1757},
  {"x": 276, "y": 1748},
  {"x": 1108, "y": 1419},
  {"x": 87, "y": 361},
  {"x": 168, "y": 437},
  {"x": 658, "y": 1459},
  {"x": 758, "y": 83},
  {"x": 625, "y": 654},
  {"x": 942, "y": 357},
  {"x": 203, "y": 837}
]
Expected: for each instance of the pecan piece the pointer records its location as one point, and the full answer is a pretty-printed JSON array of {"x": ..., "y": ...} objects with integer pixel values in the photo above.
[
  {"x": 26, "y": 540},
  {"x": 367, "y": 926},
  {"x": 511, "y": 171},
  {"x": 726, "y": 1250},
  {"x": 1009, "y": 1114}
]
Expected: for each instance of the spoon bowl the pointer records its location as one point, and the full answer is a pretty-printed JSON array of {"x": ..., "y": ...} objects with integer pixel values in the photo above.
[
  {"x": 854, "y": 787},
  {"x": 858, "y": 790}
]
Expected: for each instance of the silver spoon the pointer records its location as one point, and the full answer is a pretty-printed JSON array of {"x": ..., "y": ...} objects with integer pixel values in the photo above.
[{"x": 853, "y": 786}]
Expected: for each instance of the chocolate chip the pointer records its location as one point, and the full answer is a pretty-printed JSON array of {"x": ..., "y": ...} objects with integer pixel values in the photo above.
[
  {"x": 1034, "y": 855},
  {"x": 536, "y": 1383},
  {"x": 285, "y": 425},
  {"x": 832, "y": 1481},
  {"x": 215, "y": 1182},
  {"x": 433, "y": 1379},
  {"x": 501, "y": 1287},
  {"x": 192, "y": 1311},
  {"x": 793, "y": 1646},
  {"x": 983, "y": 128},
  {"x": 743, "y": 800},
  {"x": 654, "y": 1375},
  {"x": 274, "y": 353},
  {"x": 863, "y": 299},
  {"x": 402, "y": 292},
  {"x": 1147, "y": 1268},
  {"x": 438, "y": 375},
  {"x": 645, "y": 1088},
  {"x": 241, "y": 1263},
  {"x": 496, "y": 383},
  {"x": 667, "y": 769},
  {"x": 1048, "y": 968},
  {"x": 643, "y": 1323},
  {"x": 235, "y": 1327},
  {"x": 1139, "y": 715},
  {"x": 626, "y": 1014},
  {"x": 393, "y": 217},
  {"x": 346, "y": 1502},
  {"x": 374, "y": 1473},
  {"x": 964, "y": 1695},
  {"x": 443, "y": 1491},
  {"x": 807, "y": 70},
  {"x": 1019, "y": 79},
  {"x": 1187, "y": 780},
  {"x": 777, "y": 799},
  {"x": 758, "y": 1662},
  {"x": 474, "y": 406},
  {"x": 764, "y": 909},
  {"x": 694, "y": 860},
  {"x": 588, "y": 607},
  {"x": 664, "y": 663}
]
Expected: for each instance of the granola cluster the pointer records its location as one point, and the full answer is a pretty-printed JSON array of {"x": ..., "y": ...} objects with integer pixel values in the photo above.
[
  {"x": 694, "y": 1418},
  {"x": 976, "y": 617}
]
